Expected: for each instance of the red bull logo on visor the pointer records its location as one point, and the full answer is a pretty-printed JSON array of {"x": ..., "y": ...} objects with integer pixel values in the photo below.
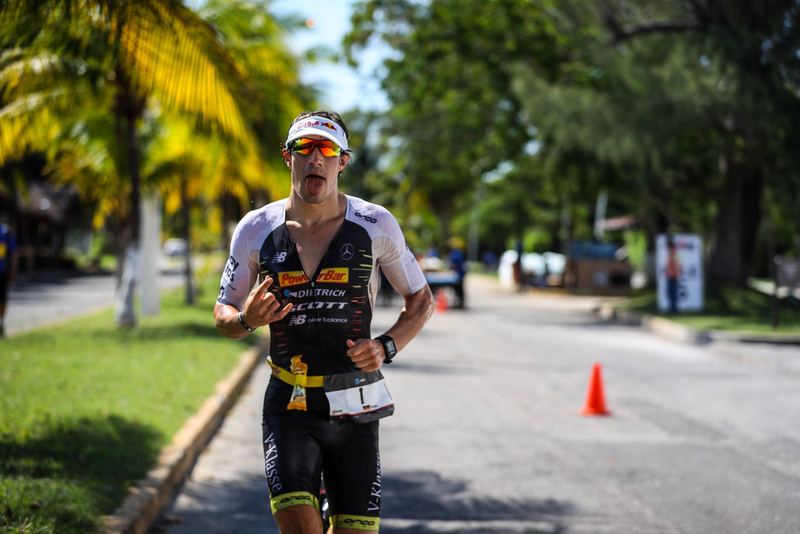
[
  {"x": 316, "y": 125},
  {"x": 313, "y": 123}
]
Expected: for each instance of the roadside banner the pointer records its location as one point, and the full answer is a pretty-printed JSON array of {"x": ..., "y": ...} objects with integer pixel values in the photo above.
[{"x": 689, "y": 252}]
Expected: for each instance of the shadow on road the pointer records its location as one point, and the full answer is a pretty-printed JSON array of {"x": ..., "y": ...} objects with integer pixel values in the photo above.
[
  {"x": 415, "y": 499},
  {"x": 418, "y": 502},
  {"x": 212, "y": 507}
]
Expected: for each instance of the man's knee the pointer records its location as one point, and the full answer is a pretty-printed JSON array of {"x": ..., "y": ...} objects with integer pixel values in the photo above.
[{"x": 296, "y": 513}]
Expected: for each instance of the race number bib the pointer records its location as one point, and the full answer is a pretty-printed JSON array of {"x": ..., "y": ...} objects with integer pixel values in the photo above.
[{"x": 360, "y": 396}]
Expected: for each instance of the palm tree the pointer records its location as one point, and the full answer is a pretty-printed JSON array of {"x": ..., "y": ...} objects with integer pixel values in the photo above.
[
  {"x": 194, "y": 169},
  {"x": 58, "y": 54}
]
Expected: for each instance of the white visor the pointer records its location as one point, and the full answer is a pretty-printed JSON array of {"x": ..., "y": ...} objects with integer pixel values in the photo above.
[{"x": 315, "y": 125}]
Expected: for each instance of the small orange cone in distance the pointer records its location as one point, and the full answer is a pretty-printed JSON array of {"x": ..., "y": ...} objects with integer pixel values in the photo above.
[
  {"x": 595, "y": 398},
  {"x": 441, "y": 301}
]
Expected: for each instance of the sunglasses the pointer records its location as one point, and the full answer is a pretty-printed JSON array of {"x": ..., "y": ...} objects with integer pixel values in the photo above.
[{"x": 304, "y": 147}]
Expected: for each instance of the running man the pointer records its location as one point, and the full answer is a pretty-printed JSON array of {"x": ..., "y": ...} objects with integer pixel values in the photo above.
[{"x": 308, "y": 266}]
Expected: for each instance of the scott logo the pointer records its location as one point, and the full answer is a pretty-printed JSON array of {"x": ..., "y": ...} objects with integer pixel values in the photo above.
[
  {"x": 334, "y": 275},
  {"x": 292, "y": 278}
]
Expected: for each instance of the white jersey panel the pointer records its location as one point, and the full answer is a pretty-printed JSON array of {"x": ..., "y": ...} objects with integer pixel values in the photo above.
[
  {"x": 389, "y": 248},
  {"x": 241, "y": 271}
]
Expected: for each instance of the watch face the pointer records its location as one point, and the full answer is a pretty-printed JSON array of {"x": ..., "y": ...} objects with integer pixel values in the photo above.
[{"x": 388, "y": 347}]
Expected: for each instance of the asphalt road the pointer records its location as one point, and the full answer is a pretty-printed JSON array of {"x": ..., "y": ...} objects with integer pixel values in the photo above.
[
  {"x": 49, "y": 298},
  {"x": 488, "y": 436}
]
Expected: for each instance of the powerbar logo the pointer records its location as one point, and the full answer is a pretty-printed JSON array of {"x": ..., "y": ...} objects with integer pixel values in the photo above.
[
  {"x": 334, "y": 275},
  {"x": 330, "y": 275},
  {"x": 292, "y": 278}
]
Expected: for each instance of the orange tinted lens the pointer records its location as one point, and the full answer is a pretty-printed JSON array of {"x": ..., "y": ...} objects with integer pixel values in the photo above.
[
  {"x": 330, "y": 150},
  {"x": 305, "y": 147},
  {"x": 302, "y": 146}
]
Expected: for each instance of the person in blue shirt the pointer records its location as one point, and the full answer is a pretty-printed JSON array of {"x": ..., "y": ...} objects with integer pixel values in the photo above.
[
  {"x": 458, "y": 263},
  {"x": 8, "y": 269}
]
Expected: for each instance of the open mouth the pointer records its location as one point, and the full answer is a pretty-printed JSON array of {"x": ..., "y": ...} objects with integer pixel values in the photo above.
[{"x": 314, "y": 183}]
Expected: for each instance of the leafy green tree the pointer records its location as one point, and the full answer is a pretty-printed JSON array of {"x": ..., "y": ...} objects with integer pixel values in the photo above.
[
  {"x": 755, "y": 46},
  {"x": 639, "y": 125},
  {"x": 453, "y": 117},
  {"x": 681, "y": 111}
]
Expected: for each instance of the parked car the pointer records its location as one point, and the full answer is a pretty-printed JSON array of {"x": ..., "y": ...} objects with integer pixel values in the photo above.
[
  {"x": 173, "y": 256},
  {"x": 175, "y": 246}
]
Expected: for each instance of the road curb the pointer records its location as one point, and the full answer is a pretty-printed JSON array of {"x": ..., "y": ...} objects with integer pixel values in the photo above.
[
  {"x": 675, "y": 331},
  {"x": 151, "y": 495},
  {"x": 660, "y": 326}
]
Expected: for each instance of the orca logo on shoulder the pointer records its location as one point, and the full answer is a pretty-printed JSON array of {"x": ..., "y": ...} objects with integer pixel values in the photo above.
[{"x": 347, "y": 252}]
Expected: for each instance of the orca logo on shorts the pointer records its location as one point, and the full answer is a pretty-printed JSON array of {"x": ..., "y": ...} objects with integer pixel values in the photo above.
[{"x": 357, "y": 523}]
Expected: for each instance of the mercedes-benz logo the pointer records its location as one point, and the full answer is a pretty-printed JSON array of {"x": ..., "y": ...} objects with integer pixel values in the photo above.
[{"x": 347, "y": 252}]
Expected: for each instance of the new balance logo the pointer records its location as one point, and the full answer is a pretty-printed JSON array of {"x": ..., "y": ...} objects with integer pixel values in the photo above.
[
  {"x": 297, "y": 320},
  {"x": 279, "y": 257}
]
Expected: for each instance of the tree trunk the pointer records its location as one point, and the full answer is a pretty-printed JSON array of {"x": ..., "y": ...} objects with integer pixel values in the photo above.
[
  {"x": 186, "y": 228},
  {"x": 738, "y": 218},
  {"x": 128, "y": 110}
]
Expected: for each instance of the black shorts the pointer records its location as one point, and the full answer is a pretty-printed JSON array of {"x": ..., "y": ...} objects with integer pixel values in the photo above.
[{"x": 300, "y": 446}]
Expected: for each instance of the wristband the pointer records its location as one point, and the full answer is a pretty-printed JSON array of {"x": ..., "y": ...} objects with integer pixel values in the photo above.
[
  {"x": 244, "y": 323},
  {"x": 389, "y": 348}
]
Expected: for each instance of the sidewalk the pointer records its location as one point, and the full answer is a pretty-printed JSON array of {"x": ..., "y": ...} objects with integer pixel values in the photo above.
[
  {"x": 676, "y": 331},
  {"x": 226, "y": 490}
]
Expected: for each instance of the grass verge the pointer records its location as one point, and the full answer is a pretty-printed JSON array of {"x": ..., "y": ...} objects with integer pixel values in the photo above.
[
  {"x": 86, "y": 407},
  {"x": 728, "y": 308}
]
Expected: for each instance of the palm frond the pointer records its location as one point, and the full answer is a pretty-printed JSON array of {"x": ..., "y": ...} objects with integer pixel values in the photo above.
[
  {"x": 169, "y": 51},
  {"x": 27, "y": 124},
  {"x": 21, "y": 73}
]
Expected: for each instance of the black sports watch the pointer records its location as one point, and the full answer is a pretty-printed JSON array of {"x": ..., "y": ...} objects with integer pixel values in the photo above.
[{"x": 389, "y": 348}]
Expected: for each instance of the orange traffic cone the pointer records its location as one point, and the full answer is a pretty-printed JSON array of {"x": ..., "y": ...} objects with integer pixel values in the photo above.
[
  {"x": 595, "y": 398},
  {"x": 441, "y": 301}
]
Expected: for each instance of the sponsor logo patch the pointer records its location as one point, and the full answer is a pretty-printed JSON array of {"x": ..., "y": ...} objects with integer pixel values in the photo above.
[
  {"x": 334, "y": 275},
  {"x": 347, "y": 252},
  {"x": 292, "y": 278}
]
